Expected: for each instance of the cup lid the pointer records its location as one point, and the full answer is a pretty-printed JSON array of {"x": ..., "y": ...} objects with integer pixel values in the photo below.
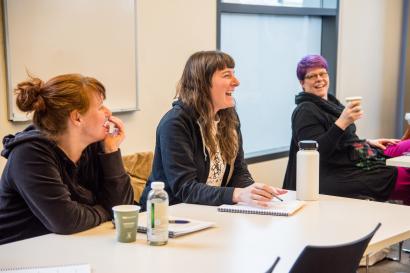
[
  {"x": 353, "y": 98},
  {"x": 407, "y": 117},
  {"x": 308, "y": 145}
]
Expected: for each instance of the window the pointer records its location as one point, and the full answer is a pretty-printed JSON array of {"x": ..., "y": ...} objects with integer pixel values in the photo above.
[{"x": 267, "y": 39}]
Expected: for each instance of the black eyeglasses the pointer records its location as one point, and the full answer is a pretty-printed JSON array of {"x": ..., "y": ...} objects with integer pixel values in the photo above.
[{"x": 316, "y": 76}]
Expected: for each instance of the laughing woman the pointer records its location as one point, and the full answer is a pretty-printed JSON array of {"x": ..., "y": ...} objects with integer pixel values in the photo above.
[
  {"x": 349, "y": 166},
  {"x": 64, "y": 173},
  {"x": 198, "y": 151}
]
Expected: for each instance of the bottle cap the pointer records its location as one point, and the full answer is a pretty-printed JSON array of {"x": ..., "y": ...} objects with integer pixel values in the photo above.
[
  {"x": 157, "y": 185},
  {"x": 308, "y": 145}
]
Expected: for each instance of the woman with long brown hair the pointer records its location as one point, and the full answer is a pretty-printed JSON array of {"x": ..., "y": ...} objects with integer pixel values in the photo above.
[
  {"x": 198, "y": 151},
  {"x": 64, "y": 173}
]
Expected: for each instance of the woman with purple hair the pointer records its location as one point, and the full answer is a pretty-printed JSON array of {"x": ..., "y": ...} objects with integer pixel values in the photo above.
[{"x": 349, "y": 166}]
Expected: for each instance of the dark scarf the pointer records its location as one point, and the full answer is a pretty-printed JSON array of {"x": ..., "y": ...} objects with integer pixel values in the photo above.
[{"x": 331, "y": 106}]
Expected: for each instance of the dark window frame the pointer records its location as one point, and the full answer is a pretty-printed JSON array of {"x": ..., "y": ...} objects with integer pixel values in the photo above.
[{"x": 329, "y": 39}]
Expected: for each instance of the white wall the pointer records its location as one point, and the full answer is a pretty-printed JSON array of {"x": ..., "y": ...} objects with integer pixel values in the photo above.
[{"x": 169, "y": 31}]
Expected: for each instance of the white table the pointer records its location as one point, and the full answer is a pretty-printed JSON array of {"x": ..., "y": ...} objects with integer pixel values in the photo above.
[
  {"x": 238, "y": 243},
  {"x": 400, "y": 161}
]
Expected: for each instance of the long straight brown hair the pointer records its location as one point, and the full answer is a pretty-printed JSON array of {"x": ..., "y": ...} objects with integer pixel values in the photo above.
[{"x": 194, "y": 89}]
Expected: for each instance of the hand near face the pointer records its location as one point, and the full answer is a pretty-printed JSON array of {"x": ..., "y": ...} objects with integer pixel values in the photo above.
[
  {"x": 382, "y": 143},
  {"x": 352, "y": 112},
  {"x": 257, "y": 194},
  {"x": 112, "y": 141}
]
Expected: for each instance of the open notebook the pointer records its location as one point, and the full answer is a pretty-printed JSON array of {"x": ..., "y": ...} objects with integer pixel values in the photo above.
[
  {"x": 285, "y": 208},
  {"x": 176, "y": 230},
  {"x": 80, "y": 268}
]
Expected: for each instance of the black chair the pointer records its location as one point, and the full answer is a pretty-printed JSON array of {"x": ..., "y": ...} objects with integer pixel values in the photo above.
[{"x": 344, "y": 258}]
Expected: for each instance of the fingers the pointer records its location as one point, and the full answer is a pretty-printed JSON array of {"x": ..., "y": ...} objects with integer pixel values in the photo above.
[
  {"x": 387, "y": 141},
  {"x": 350, "y": 114},
  {"x": 355, "y": 109},
  {"x": 263, "y": 195},
  {"x": 380, "y": 146},
  {"x": 260, "y": 198},
  {"x": 264, "y": 191},
  {"x": 278, "y": 191},
  {"x": 118, "y": 123},
  {"x": 260, "y": 204}
]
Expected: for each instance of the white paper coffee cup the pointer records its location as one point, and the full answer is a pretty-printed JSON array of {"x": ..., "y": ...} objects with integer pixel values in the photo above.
[{"x": 407, "y": 117}]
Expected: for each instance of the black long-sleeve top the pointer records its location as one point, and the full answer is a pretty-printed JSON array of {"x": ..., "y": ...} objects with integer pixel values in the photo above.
[
  {"x": 182, "y": 162},
  {"x": 43, "y": 191},
  {"x": 348, "y": 166}
]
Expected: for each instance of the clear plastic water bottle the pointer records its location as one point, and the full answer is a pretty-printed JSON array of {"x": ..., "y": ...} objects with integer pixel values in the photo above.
[
  {"x": 307, "y": 171},
  {"x": 157, "y": 215}
]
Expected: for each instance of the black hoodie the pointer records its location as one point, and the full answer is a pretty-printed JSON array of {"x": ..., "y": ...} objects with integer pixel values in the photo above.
[
  {"x": 182, "y": 162},
  {"x": 43, "y": 191}
]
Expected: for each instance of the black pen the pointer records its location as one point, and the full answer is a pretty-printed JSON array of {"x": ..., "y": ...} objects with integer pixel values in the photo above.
[
  {"x": 277, "y": 197},
  {"x": 178, "y": 221}
]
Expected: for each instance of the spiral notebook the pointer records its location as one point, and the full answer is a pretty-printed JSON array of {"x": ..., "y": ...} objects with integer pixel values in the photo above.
[
  {"x": 78, "y": 268},
  {"x": 276, "y": 208}
]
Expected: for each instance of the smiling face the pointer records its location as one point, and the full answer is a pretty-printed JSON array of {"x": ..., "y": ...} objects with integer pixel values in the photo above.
[
  {"x": 316, "y": 82},
  {"x": 94, "y": 127},
  {"x": 223, "y": 85}
]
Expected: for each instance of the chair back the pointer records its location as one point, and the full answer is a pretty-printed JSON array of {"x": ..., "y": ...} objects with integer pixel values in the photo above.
[
  {"x": 344, "y": 258},
  {"x": 138, "y": 167}
]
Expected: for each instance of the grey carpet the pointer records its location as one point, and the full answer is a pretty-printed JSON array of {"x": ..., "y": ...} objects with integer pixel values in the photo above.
[{"x": 388, "y": 266}]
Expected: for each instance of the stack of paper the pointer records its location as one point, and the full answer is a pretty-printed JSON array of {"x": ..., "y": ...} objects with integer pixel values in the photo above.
[{"x": 184, "y": 227}]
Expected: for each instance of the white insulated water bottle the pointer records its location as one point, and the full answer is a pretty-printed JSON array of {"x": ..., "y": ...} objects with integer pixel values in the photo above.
[{"x": 307, "y": 171}]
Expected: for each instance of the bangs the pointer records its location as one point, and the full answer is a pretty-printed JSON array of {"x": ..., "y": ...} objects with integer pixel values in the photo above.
[
  {"x": 95, "y": 85},
  {"x": 223, "y": 61}
]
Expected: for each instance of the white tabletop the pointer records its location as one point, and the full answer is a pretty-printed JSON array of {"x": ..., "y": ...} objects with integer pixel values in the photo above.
[
  {"x": 400, "y": 161},
  {"x": 238, "y": 243}
]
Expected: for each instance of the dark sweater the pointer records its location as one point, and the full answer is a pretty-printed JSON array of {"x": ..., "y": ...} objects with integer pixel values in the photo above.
[
  {"x": 348, "y": 165},
  {"x": 43, "y": 191},
  {"x": 182, "y": 162}
]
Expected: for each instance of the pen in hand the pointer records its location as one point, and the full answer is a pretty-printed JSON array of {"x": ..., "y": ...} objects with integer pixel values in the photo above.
[{"x": 277, "y": 197}]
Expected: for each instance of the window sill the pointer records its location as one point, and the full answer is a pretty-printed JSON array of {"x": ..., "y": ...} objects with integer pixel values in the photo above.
[{"x": 266, "y": 155}]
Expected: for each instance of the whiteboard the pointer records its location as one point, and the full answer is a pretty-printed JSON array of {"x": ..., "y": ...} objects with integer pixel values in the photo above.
[{"x": 96, "y": 38}]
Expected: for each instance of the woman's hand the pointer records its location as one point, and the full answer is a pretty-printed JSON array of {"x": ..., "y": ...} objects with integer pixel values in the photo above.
[
  {"x": 112, "y": 141},
  {"x": 382, "y": 143},
  {"x": 257, "y": 194},
  {"x": 351, "y": 113}
]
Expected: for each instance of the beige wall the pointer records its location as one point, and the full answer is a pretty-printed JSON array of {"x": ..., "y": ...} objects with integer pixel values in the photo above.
[
  {"x": 368, "y": 61},
  {"x": 169, "y": 31},
  {"x": 368, "y": 65}
]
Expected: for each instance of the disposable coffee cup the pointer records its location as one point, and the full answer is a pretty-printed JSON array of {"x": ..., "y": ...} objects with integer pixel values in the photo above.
[
  {"x": 126, "y": 221},
  {"x": 351, "y": 99},
  {"x": 407, "y": 117}
]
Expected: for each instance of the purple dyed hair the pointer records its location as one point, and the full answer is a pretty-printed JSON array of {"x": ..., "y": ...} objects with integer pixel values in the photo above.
[{"x": 310, "y": 61}]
